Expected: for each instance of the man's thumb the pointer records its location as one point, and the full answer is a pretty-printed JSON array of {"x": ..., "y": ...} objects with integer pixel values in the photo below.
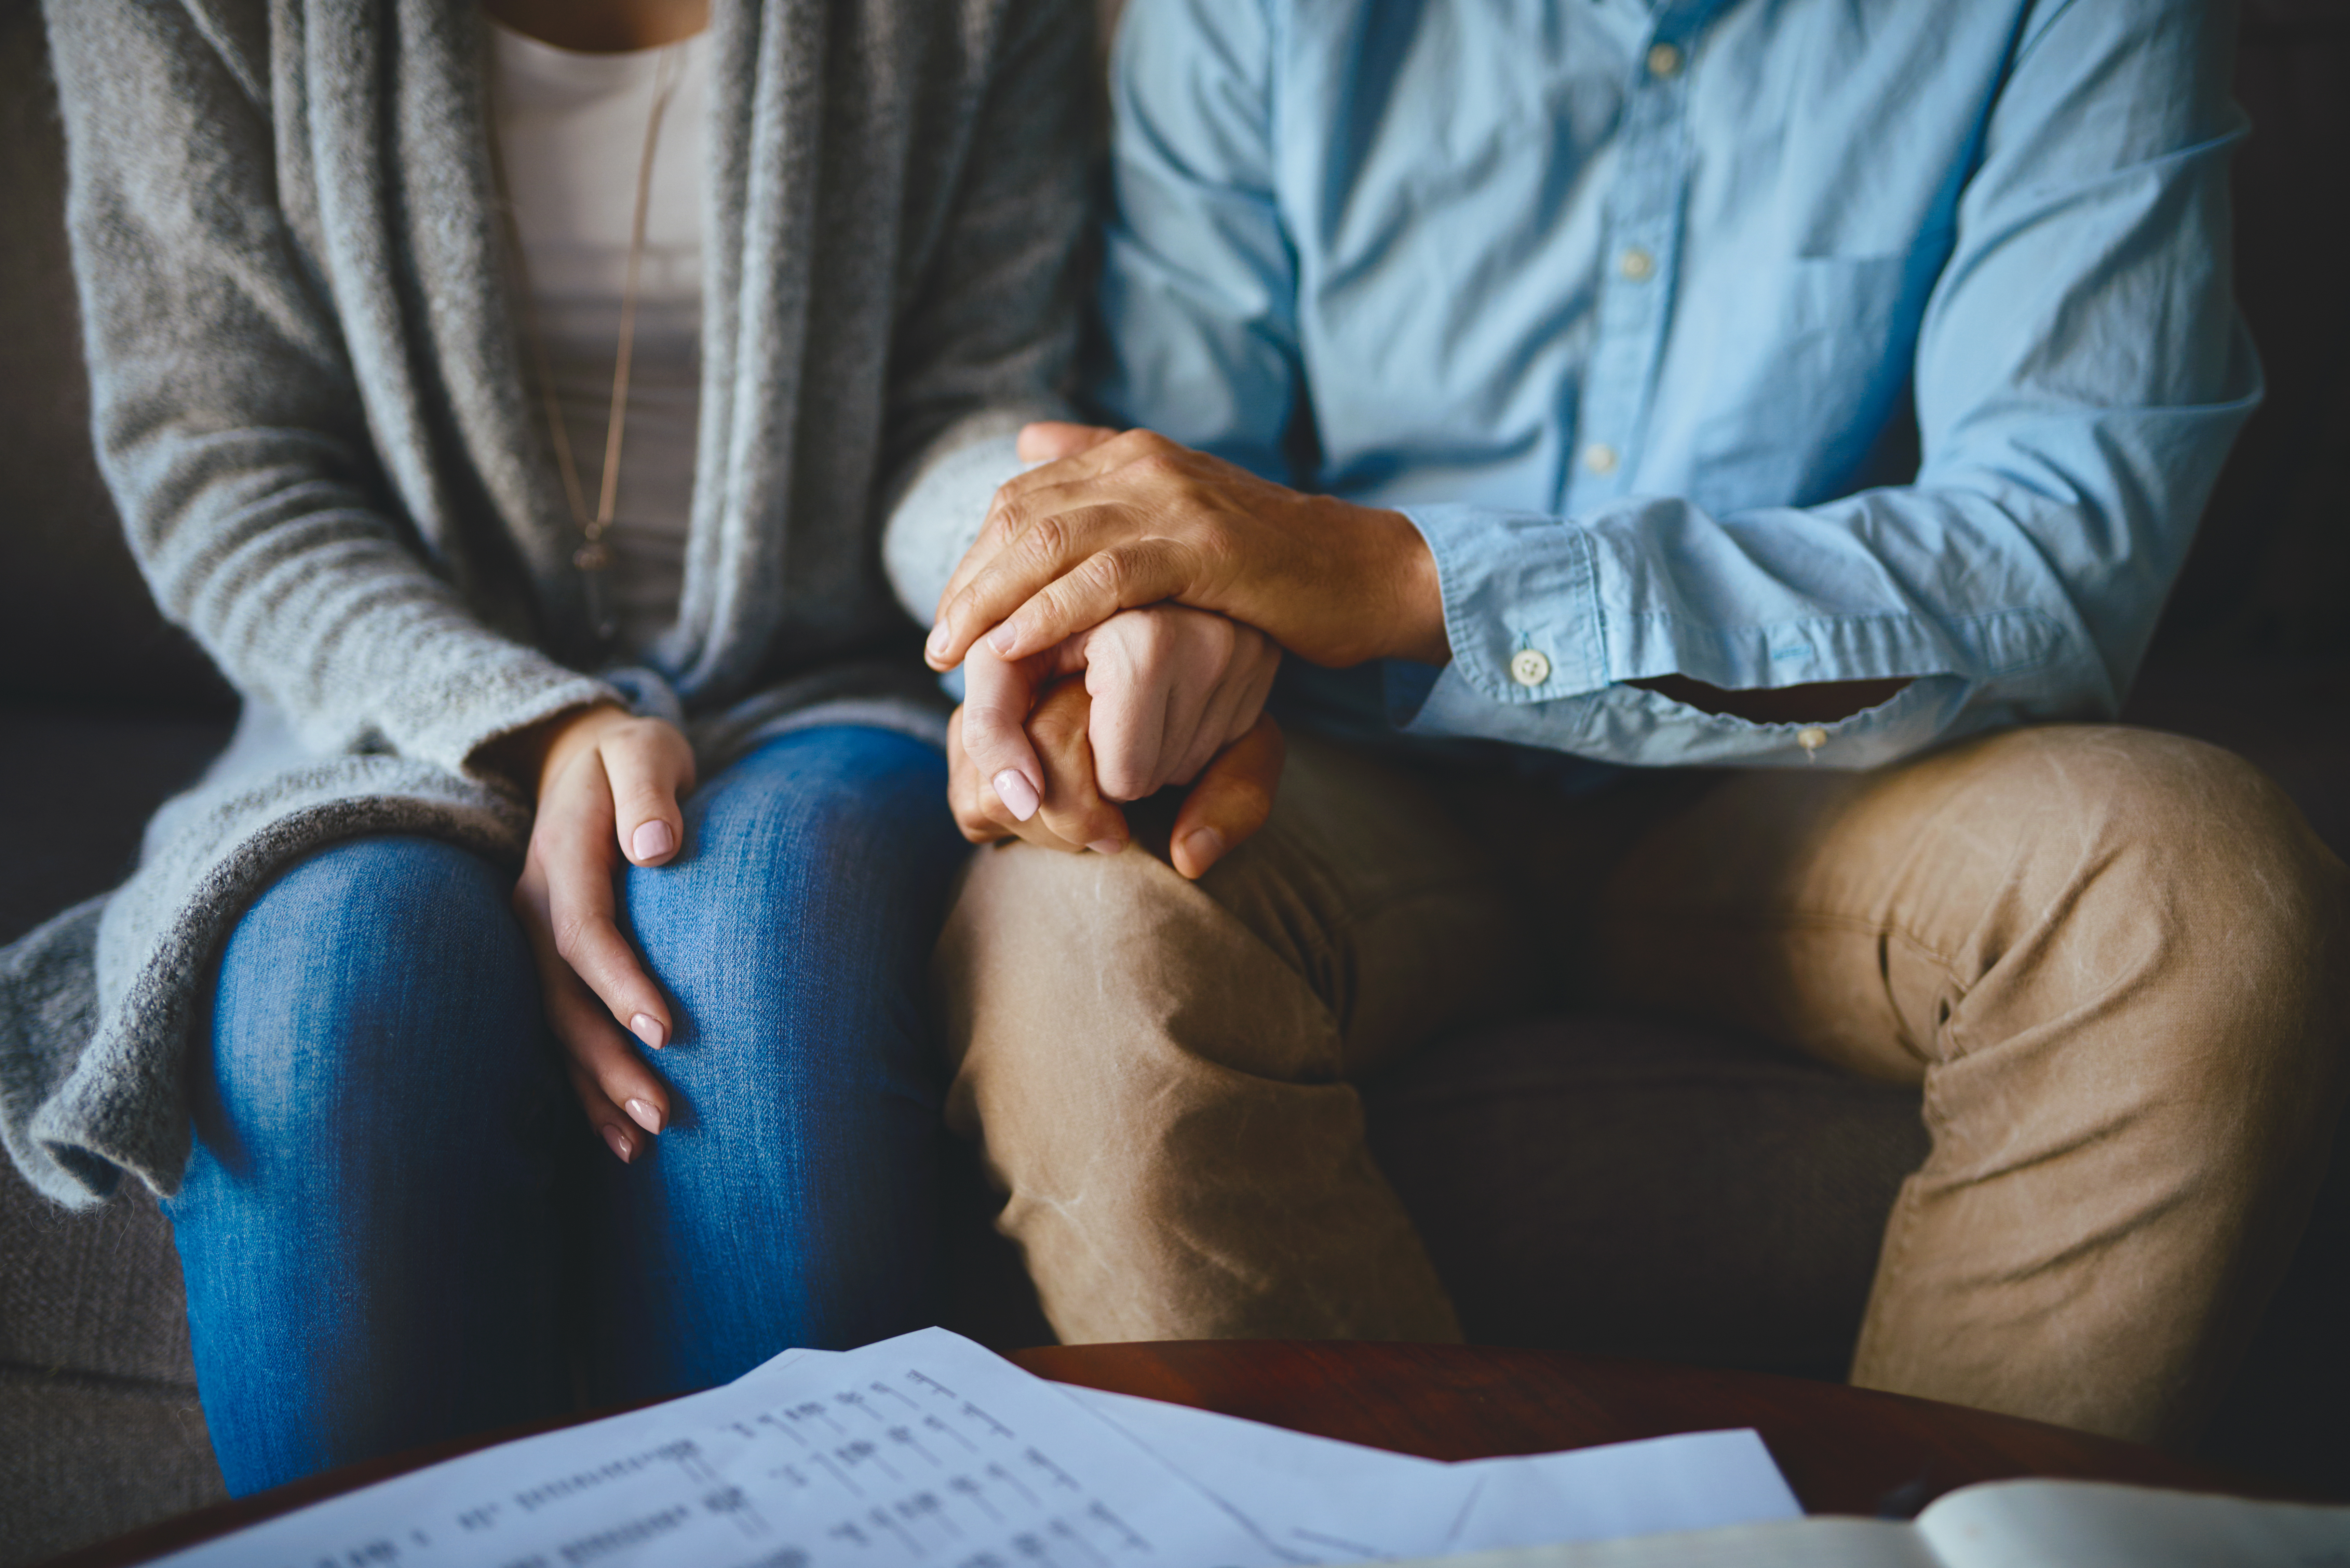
[{"x": 1231, "y": 801}]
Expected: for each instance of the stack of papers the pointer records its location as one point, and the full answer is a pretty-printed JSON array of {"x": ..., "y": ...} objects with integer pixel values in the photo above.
[{"x": 928, "y": 1450}]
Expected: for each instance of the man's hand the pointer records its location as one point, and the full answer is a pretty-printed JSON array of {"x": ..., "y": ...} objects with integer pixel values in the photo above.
[
  {"x": 608, "y": 790},
  {"x": 1231, "y": 801},
  {"x": 1137, "y": 519}
]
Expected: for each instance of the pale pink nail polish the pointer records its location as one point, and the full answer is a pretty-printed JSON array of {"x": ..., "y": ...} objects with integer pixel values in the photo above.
[
  {"x": 1019, "y": 796},
  {"x": 653, "y": 840},
  {"x": 644, "y": 1114},
  {"x": 621, "y": 1145},
  {"x": 1003, "y": 636},
  {"x": 1107, "y": 846},
  {"x": 648, "y": 1028}
]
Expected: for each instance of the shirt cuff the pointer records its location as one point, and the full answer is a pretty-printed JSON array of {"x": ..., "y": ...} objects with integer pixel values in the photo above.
[{"x": 1521, "y": 602}]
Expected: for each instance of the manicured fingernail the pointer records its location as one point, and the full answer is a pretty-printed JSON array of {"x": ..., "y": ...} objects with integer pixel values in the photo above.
[
  {"x": 648, "y": 1028},
  {"x": 1205, "y": 844},
  {"x": 938, "y": 643},
  {"x": 643, "y": 1112},
  {"x": 1012, "y": 788},
  {"x": 620, "y": 1144},
  {"x": 1003, "y": 636},
  {"x": 1107, "y": 846},
  {"x": 654, "y": 840}
]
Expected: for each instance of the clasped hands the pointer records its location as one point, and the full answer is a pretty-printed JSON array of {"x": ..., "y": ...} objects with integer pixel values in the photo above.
[
  {"x": 1120, "y": 617},
  {"x": 1120, "y": 621}
]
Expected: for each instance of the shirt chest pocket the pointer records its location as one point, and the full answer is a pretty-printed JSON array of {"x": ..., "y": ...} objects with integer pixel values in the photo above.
[{"x": 1809, "y": 361}]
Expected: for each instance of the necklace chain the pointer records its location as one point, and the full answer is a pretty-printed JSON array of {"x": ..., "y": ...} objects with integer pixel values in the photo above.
[{"x": 594, "y": 555}]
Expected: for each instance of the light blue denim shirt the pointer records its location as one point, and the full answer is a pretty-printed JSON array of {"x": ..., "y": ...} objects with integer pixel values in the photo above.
[{"x": 1763, "y": 343}]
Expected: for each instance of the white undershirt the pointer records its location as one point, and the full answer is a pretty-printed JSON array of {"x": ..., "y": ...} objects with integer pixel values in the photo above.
[{"x": 571, "y": 134}]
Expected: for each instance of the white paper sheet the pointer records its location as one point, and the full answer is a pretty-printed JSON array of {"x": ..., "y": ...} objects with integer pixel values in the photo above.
[
  {"x": 1696, "y": 1481},
  {"x": 1322, "y": 1502},
  {"x": 1315, "y": 1498},
  {"x": 924, "y": 1449},
  {"x": 930, "y": 1452}
]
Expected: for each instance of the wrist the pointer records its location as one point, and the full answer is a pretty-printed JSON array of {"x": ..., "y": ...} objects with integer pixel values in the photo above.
[
  {"x": 1403, "y": 606},
  {"x": 529, "y": 757}
]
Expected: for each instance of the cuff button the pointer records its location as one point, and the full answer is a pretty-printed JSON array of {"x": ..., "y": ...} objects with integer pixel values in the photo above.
[{"x": 1528, "y": 667}]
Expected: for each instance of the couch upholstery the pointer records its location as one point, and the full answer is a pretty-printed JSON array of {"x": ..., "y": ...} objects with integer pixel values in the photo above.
[{"x": 1603, "y": 1183}]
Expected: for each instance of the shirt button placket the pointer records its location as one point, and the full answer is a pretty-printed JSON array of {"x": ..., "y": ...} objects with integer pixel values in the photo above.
[{"x": 1642, "y": 210}]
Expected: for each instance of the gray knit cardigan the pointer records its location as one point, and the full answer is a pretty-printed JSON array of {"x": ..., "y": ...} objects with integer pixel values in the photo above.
[{"x": 310, "y": 401}]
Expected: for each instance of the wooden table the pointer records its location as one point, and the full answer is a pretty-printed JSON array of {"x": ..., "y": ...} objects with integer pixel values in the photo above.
[{"x": 1844, "y": 1451}]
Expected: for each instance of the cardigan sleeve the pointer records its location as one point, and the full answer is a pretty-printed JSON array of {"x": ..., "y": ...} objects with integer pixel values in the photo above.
[
  {"x": 227, "y": 418},
  {"x": 986, "y": 343}
]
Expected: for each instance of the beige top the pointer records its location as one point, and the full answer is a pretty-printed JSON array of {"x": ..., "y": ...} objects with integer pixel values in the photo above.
[{"x": 570, "y": 130}]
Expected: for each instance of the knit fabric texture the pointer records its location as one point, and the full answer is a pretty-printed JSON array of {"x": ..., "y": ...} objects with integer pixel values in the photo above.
[{"x": 311, "y": 403}]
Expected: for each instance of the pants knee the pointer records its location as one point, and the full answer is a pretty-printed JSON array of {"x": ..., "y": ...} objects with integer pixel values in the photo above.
[
  {"x": 2198, "y": 830},
  {"x": 2187, "y": 855},
  {"x": 791, "y": 933},
  {"x": 370, "y": 977}
]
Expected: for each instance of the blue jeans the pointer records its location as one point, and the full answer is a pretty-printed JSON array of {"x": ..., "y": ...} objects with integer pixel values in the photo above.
[{"x": 373, "y": 1225}]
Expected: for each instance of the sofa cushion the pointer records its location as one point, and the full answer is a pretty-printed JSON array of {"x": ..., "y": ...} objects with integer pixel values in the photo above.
[
  {"x": 93, "y": 1293},
  {"x": 85, "y": 1462},
  {"x": 98, "y": 1419}
]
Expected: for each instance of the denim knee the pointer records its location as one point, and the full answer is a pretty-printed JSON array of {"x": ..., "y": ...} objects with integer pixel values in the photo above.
[
  {"x": 385, "y": 979},
  {"x": 789, "y": 1201},
  {"x": 811, "y": 888}
]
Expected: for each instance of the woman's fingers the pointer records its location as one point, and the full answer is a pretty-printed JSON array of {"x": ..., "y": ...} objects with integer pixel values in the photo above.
[
  {"x": 608, "y": 786},
  {"x": 1231, "y": 800},
  {"x": 1049, "y": 440},
  {"x": 572, "y": 842},
  {"x": 647, "y": 765},
  {"x": 1072, "y": 809},
  {"x": 996, "y": 700},
  {"x": 1230, "y": 709},
  {"x": 625, "y": 1100},
  {"x": 1134, "y": 673}
]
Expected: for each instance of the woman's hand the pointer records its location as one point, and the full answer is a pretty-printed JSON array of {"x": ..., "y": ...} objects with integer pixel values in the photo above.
[
  {"x": 1171, "y": 687},
  {"x": 608, "y": 785},
  {"x": 1230, "y": 799}
]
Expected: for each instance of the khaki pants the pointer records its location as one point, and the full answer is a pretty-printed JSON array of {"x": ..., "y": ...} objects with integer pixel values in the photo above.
[{"x": 2114, "y": 960}]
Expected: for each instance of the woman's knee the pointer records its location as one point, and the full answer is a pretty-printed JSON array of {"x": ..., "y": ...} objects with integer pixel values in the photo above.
[
  {"x": 819, "y": 837},
  {"x": 797, "y": 922},
  {"x": 388, "y": 970}
]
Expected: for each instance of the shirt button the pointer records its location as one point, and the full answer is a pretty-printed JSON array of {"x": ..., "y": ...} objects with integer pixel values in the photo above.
[
  {"x": 1637, "y": 264},
  {"x": 1810, "y": 737},
  {"x": 1599, "y": 457},
  {"x": 1664, "y": 59},
  {"x": 1528, "y": 667}
]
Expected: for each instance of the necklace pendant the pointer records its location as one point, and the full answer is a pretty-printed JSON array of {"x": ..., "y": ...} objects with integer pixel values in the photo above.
[{"x": 592, "y": 556}]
